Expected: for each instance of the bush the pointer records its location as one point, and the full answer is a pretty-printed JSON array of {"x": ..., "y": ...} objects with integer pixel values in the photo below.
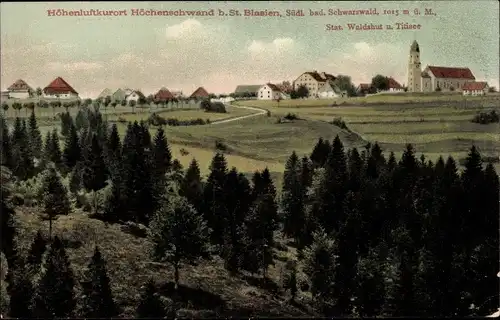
[
  {"x": 486, "y": 117},
  {"x": 217, "y": 107},
  {"x": 221, "y": 146},
  {"x": 135, "y": 229},
  {"x": 184, "y": 152},
  {"x": 156, "y": 120},
  {"x": 340, "y": 123},
  {"x": 268, "y": 113},
  {"x": 291, "y": 116}
]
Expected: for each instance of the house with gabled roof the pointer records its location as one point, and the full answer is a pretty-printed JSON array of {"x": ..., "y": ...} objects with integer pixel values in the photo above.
[
  {"x": 330, "y": 90},
  {"x": 475, "y": 89},
  {"x": 199, "y": 93},
  {"x": 60, "y": 89},
  {"x": 105, "y": 93},
  {"x": 119, "y": 95},
  {"x": 20, "y": 90},
  {"x": 270, "y": 91},
  {"x": 135, "y": 95},
  {"x": 163, "y": 95},
  {"x": 247, "y": 90},
  {"x": 313, "y": 81}
]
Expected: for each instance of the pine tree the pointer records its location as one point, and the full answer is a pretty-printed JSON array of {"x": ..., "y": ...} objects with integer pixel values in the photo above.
[
  {"x": 320, "y": 153},
  {"x": 114, "y": 151},
  {"x": 55, "y": 293},
  {"x": 215, "y": 197},
  {"x": 150, "y": 305},
  {"x": 6, "y": 146},
  {"x": 162, "y": 163},
  {"x": 355, "y": 170},
  {"x": 192, "y": 186},
  {"x": 38, "y": 248},
  {"x": 179, "y": 234},
  {"x": 319, "y": 265},
  {"x": 55, "y": 197},
  {"x": 35, "y": 137},
  {"x": 8, "y": 230},
  {"x": 20, "y": 289},
  {"x": 98, "y": 297},
  {"x": 22, "y": 159},
  {"x": 290, "y": 278},
  {"x": 56, "y": 155},
  {"x": 72, "y": 152},
  {"x": 94, "y": 173},
  {"x": 292, "y": 199}
]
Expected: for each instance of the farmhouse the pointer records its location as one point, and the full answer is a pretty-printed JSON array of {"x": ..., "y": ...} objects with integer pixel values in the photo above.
[
  {"x": 270, "y": 91},
  {"x": 329, "y": 90},
  {"x": 20, "y": 90},
  {"x": 313, "y": 81},
  {"x": 177, "y": 93},
  {"x": 247, "y": 90},
  {"x": 119, "y": 95},
  {"x": 105, "y": 93},
  {"x": 59, "y": 88},
  {"x": 475, "y": 89},
  {"x": 363, "y": 88},
  {"x": 434, "y": 78},
  {"x": 135, "y": 95},
  {"x": 199, "y": 93},
  {"x": 163, "y": 95},
  {"x": 394, "y": 86}
]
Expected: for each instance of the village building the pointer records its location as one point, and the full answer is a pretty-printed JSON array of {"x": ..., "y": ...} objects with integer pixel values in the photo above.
[
  {"x": 394, "y": 86},
  {"x": 177, "y": 94},
  {"x": 199, "y": 93},
  {"x": 270, "y": 91},
  {"x": 434, "y": 78},
  {"x": 247, "y": 90},
  {"x": 118, "y": 96},
  {"x": 20, "y": 90},
  {"x": 163, "y": 95},
  {"x": 105, "y": 93},
  {"x": 313, "y": 81},
  {"x": 329, "y": 90},
  {"x": 364, "y": 88},
  {"x": 475, "y": 89},
  {"x": 59, "y": 89},
  {"x": 135, "y": 95}
]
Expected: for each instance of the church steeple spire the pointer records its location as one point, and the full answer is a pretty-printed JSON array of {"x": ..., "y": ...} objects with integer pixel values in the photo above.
[{"x": 414, "y": 47}]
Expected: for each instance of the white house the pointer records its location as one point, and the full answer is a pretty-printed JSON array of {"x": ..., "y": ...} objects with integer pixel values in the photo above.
[
  {"x": 270, "y": 91},
  {"x": 329, "y": 90},
  {"x": 20, "y": 90},
  {"x": 135, "y": 96},
  {"x": 475, "y": 89},
  {"x": 59, "y": 89}
]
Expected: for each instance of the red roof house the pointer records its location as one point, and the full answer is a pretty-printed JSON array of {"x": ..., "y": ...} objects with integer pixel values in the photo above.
[
  {"x": 200, "y": 93},
  {"x": 475, "y": 88},
  {"x": 163, "y": 95},
  {"x": 59, "y": 87},
  {"x": 454, "y": 73},
  {"x": 19, "y": 85},
  {"x": 394, "y": 85}
]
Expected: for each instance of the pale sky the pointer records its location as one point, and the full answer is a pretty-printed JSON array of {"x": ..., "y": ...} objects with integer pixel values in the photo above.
[{"x": 219, "y": 53}]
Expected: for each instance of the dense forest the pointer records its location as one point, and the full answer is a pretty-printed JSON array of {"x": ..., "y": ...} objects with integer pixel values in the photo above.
[{"x": 375, "y": 236}]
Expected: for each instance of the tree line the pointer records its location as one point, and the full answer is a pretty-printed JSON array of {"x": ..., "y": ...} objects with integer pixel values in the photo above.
[{"x": 375, "y": 236}]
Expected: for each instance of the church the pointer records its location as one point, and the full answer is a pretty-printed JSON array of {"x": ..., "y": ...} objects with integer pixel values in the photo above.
[{"x": 434, "y": 78}]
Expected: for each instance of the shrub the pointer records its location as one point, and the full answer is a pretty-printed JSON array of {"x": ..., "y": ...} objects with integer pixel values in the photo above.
[
  {"x": 486, "y": 117},
  {"x": 184, "y": 152},
  {"x": 268, "y": 113},
  {"x": 157, "y": 120},
  {"x": 217, "y": 107},
  {"x": 291, "y": 116},
  {"x": 340, "y": 123},
  {"x": 221, "y": 146}
]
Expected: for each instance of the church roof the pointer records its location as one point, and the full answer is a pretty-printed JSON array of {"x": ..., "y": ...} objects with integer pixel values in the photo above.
[
  {"x": 59, "y": 86},
  {"x": 455, "y": 73},
  {"x": 414, "y": 46},
  {"x": 19, "y": 85}
]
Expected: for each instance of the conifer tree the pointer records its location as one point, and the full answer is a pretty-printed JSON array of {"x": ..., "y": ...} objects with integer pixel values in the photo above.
[
  {"x": 55, "y": 292},
  {"x": 72, "y": 152},
  {"x": 22, "y": 160},
  {"x": 292, "y": 198},
  {"x": 38, "y": 248},
  {"x": 7, "y": 233},
  {"x": 113, "y": 151},
  {"x": 320, "y": 153},
  {"x": 215, "y": 197},
  {"x": 319, "y": 265},
  {"x": 191, "y": 186},
  {"x": 290, "y": 278},
  {"x": 35, "y": 137},
  {"x": 179, "y": 234},
  {"x": 20, "y": 289},
  {"x": 98, "y": 297},
  {"x": 6, "y": 146},
  {"x": 55, "y": 197},
  {"x": 150, "y": 305},
  {"x": 94, "y": 173},
  {"x": 56, "y": 155},
  {"x": 306, "y": 174},
  {"x": 355, "y": 170}
]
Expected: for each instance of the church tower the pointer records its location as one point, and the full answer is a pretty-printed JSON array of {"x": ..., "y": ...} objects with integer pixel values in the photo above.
[{"x": 414, "y": 69}]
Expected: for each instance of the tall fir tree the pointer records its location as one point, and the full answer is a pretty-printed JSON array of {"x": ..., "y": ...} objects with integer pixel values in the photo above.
[
  {"x": 113, "y": 148},
  {"x": 8, "y": 230},
  {"x": 99, "y": 302},
  {"x": 22, "y": 159},
  {"x": 72, "y": 152},
  {"x": 20, "y": 289},
  {"x": 35, "y": 137},
  {"x": 292, "y": 199},
  {"x": 94, "y": 172},
  {"x": 35, "y": 254},
  {"x": 56, "y": 155},
  {"x": 215, "y": 197},
  {"x": 6, "y": 146},
  {"x": 191, "y": 186},
  {"x": 55, "y": 295},
  {"x": 55, "y": 197},
  {"x": 320, "y": 153},
  {"x": 150, "y": 305}
]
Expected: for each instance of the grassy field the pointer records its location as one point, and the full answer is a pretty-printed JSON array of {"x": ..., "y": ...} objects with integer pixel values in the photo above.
[{"x": 206, "y": 287}]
